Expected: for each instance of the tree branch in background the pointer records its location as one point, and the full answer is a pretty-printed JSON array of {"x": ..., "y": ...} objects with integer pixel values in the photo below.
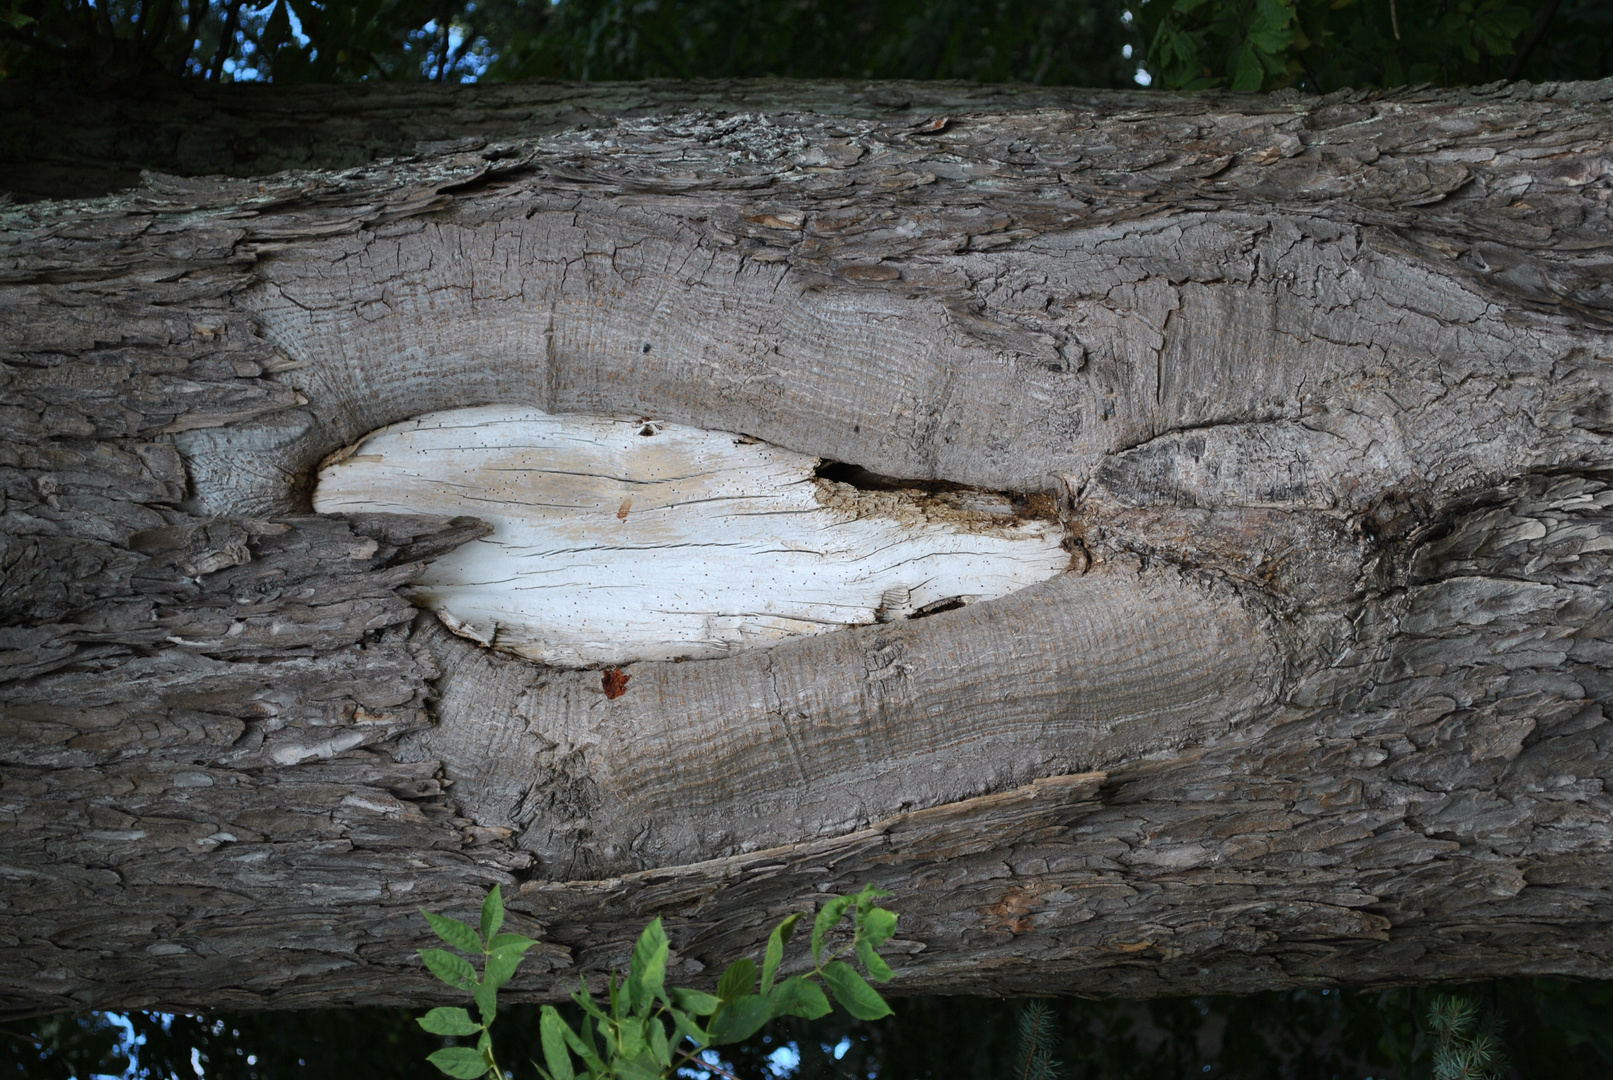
[
  {"x": 226, "y": 40},
  {"x": 196, "y": 10},
  {"x": 153, "y": 29},
  {"x": 444, "y": 20},
  {"x": 1548, "y": 13}
]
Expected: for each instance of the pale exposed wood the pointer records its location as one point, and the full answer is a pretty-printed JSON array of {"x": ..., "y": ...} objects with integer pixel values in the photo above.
[
  {"x": 1318, "y": 384},
  {"x": 617, "y": 539}
]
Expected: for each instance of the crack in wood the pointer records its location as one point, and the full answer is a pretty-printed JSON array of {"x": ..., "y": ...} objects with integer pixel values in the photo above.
[{"x": 617, "y": 541}]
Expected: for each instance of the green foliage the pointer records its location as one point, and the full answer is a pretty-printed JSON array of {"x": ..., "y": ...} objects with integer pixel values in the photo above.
[
  {"x": 1315, "y": 45},
  {"x": 60, "y": 1047},
  {"x": 1324, "y": 44},
  {"x": 1059, "y": 42},
  {"x": 625, "y": 1036},
  {"x": 1033, "y": 1057},
  {"x": 501, "y": 954},
  {"x": 1553, "y": 1028},
  {"x": 1044, "y": 41},
  {"x": 1466, "y": 1047},
  {"x": 224, "y": 40}
]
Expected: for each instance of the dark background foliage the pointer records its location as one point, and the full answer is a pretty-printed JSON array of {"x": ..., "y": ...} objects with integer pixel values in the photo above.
[
  {"x": 1552, "y": 1029},
  {"x": 1315, "y": 45}
]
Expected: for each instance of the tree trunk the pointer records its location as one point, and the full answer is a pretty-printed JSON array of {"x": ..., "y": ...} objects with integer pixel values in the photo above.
[{"x": 1321, "y": 387}]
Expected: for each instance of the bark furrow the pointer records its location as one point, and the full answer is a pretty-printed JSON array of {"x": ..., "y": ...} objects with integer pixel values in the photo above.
[{"x": 1320, "y": 388}]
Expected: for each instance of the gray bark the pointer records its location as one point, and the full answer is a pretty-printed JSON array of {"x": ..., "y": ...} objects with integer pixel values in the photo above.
[{"x": 1321, "y": 386}]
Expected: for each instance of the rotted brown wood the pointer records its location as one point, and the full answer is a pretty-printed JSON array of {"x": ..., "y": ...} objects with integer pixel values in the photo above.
[{"x": 1317, "y": 385}]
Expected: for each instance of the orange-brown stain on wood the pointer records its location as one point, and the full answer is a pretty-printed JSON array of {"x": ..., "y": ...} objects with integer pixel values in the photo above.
[
  {"x": 1014, "y": 913},
  {"x": 870, "y": 272},
  {"x": 614, "y": 682},
  {"x": 781, "y": 220},
  {"x": 621, "y": 511}
]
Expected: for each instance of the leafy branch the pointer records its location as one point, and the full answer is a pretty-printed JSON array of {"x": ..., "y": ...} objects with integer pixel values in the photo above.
[
  {"x": 501, "y": 955},
  {"x": 625, "y": 1036},
  {"x": 1466, "y": 1047}
]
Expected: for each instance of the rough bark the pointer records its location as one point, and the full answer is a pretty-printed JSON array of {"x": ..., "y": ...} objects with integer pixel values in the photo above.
[
  {"x": 1321, "y": 386},
  {"x": 77, "y": 139}
]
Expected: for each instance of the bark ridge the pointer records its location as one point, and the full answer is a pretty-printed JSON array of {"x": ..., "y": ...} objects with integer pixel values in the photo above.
[{"x": 1318, "y": 388}]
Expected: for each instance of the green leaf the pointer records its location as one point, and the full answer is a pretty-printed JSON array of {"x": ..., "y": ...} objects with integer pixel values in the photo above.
[
  {"x": 492, "y": 912},
  {"x": 658, "y": 1044},
  {"x": 641, "y": 1066},
  {"x": 853, "y": 991},
  {"x": 797, "y": 996},
  {"x": 510, "y": 941},
  {"x": 686, "y": 1028},
  {"x": 865, "y": 899},
  {"x": 875, "y": 964},
  {"x": 1249, "y": 73},
  {"x": 631, "y": 1035},
  {"x": 737, "y": 980},
  {"x": 582, "y": 1047},
  {"x": 876, "y": 926},
  {"x": 694, "y": 1001},
  {"x": 646, "y": 978},
  {"x": 740, "y": 1019},
  {"x": 454, "y": 932},
  {"x": 501, "y": 965},
  {"x": 1275, "y": 13},
  {"x": 555, "y": 1054},
  {"x": 445, "y": 1021},
  {"x": 486, "y": 995},
  {"x": 453, "y": 970},
  {"x": 774, "y": 956},
  {"x": 826, "y": 920},
  {"x": 585, "y": 998},
  {"x": 461, "y": 1062}
]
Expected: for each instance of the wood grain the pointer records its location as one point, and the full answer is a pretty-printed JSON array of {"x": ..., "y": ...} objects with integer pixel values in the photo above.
[
  {"x": 618, "y": 539},
  {"x": 1317, "y": 384}
]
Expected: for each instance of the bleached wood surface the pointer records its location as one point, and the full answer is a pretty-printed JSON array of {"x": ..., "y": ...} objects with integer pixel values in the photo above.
[{"x": 617, "y": 540}]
